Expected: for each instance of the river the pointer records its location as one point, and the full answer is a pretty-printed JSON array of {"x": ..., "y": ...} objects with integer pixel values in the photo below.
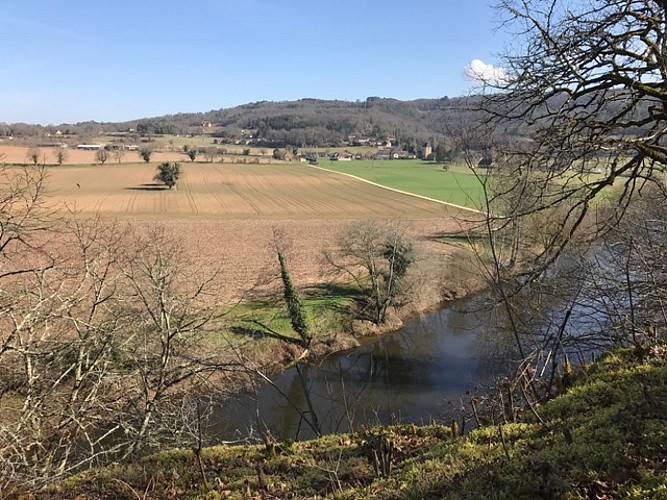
[{"x": 418, "y": 374}]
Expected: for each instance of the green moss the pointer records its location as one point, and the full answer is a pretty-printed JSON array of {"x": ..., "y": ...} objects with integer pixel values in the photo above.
[{"x": 607, "y": 435}]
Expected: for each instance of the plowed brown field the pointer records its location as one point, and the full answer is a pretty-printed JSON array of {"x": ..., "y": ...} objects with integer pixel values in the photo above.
[
  {"x": 229, "y": 191},
  {"x": 227, "y": 213}
]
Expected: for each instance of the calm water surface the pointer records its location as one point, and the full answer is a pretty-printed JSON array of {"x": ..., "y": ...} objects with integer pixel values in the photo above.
[{"x": 415, "y": 375}]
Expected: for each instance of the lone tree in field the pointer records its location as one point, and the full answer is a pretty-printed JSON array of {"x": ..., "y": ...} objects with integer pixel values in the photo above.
[
  {"x": 168, "y": 173},
  {"x": 32, "y": 155},
  {"x": 60, "y": 155},
  {"x": 210, "y": 154},
  {"x": 102, "y": 155},
  {"x": 118, "y": 155},
  {"x": 192, "y": 154},
  {"x": 145, "y": 154}
]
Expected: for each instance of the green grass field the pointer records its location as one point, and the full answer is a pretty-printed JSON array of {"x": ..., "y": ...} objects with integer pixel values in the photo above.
[
  {"x": 329, "y": 312},
  {"x": 455, "y": 185}
]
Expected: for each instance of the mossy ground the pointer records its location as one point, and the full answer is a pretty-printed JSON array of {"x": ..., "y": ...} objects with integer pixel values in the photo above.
[{"x": 605, "y": 437}]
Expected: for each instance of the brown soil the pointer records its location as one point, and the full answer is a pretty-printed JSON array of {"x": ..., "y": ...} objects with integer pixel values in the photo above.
[
  {"x": 244, "y": 251},
  {"x": 226, "y": 215},
  {"x": 214, "y": 191}
]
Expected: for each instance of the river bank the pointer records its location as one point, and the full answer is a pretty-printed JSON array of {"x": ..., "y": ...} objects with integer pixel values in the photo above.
[
  {"x": 332, "y": 366},
  {"x": 601, "y": 438},
  {"x": 418, "y": 374},
  {"x": 333, "y": 310}
]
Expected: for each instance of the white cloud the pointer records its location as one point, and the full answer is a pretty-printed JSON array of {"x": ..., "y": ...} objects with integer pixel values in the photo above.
[{"x": 479, "y": 71}]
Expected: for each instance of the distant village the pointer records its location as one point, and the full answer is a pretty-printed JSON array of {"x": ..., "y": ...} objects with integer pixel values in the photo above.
[
  {"x": 209, "y": 139},
  {"x": 386, "y": 149}
]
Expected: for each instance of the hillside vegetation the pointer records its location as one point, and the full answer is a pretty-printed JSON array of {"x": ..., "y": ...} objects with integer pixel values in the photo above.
[
  {"x": 603, "y": 437},
  {"x": 302, "y": 123}
]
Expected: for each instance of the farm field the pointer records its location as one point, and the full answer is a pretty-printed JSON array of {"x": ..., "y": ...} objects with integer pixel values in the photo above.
[
  {"x": 456, "y": 185},
  {"x": 226, "y": 214},
  {"x": 228, "y": 191}
]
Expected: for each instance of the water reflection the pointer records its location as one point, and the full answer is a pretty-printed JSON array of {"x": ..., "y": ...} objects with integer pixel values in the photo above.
[{"x": 408, "y": 376}]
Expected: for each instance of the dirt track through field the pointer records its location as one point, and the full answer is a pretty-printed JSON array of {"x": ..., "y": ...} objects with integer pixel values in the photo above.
[{"x": 227, "y": 214}]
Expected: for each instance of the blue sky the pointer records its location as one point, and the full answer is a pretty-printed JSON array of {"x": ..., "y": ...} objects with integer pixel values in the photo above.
[{"x": 78, "y": 60}]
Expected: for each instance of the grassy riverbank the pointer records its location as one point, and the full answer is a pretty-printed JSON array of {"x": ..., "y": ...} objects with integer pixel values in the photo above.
[{"x": 605, "y": 436}]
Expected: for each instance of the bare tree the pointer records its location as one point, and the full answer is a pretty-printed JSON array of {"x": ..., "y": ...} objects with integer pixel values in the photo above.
[
  {"x": 627, "y": 285},
  {"x": 118, "y": 155},
  {"x": 60, "y": 155},
  {"x": 585, "y": 99},
  {"x": 23, "y": 259},
  {"x": 101, "y": 340},
  {"x": 174, "y": 310},
  {"x": 210, "y": 154},
  {"x": 102, "y": 155},
  {"x": 23, "y": 218},
  {"x": 377, "y": 259},
  {"x": 590, "y": 90},
  {"x": 60, "y": 337},
  {"x": 32, "y": 155}
]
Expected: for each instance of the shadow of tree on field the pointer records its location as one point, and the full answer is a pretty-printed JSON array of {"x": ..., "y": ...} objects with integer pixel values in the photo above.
[
  {"x": 335, "y": 290},
  {"x": 460, "y": 237},
  {"x": 150, "y": 186},
  {"x": 263, "y": 331}
]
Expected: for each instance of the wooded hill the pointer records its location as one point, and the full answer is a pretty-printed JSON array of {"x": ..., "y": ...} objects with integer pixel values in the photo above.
[
  {"x": 311, "y": 122},
  {"x": 306, "y": 122},
  {"x": 321, "y": 123}
]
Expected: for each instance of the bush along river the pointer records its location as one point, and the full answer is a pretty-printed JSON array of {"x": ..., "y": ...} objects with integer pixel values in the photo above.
[{"x": 418, "y": 374}]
